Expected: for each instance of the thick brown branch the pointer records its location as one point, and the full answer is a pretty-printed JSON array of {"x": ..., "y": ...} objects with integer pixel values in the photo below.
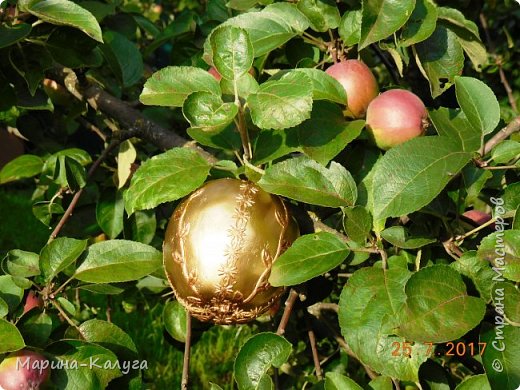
[
  {"x": 506, "y": 132},
  {"x": 127, "y": 116}
]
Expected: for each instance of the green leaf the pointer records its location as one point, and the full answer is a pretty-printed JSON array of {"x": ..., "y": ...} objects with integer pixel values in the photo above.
[
  {"x": 506, "y": 299},
  {"x": 85, "y": 375},
  {"x": 10, "y": 291},
  {"x": 478, "y": 270},
  {"x": 323, "y": 15},
  {"x": 401, "y": 238},
  {"x": 382, "y": 18},
  {"x": 478, "y": 102},
  {"x": 421, "y": 24},
  {"x": 381, "y": 383},
  {"x": 502, "y": 250},
  {"x": 59, "y": 254},
  {"x": 272, "y": 144},
  {"x": 454, "y": 16},
  {"x": 70, "y": 173},
  {"x": 174, "y": 318},
  {"x": 474, "y": 180},
  {"x": 309, "y": 256},
  {"x": 307, "y": 181},
  {"x": 268, "y": 29},
  {"x": 22, "y": 264},
  {"x": 472, "y": 382},
  {"x": 227, "y": 139},
  {"x": 245, "y": 86},
  {"x": 440, "y": 58},
  {"x": 4, "y": 309},
  {"x": 72, "y": 48},
  {"x": 118, "y": 261},
  {"x": 324, "y": 87},
  {"x": 501, "y": 358},
  {"x": 164, "y": 178},
  {"x": 506, "y": 151},
  {"x": 326, "y": 133},
  {"x": 64, "y": 13},
  {"x": 12, "y": 34},
  {"x": 22, "y": 167},
  {"x": 256, "y": 357},
  {"x": 471, "y": 43},
  {"x": 369, "y": 307},
  {"x": 336, "y": 381},
  {"x": 282, "y": 103},
  {"x": 426, "y": 165},
  {"x": 438, "y": 308},
  {"x": 350, "y": 27},
  {"x": 44, "y": 211},
  {"x": 357, "y": 223},
  {"x": 232, "y": 51},
  {"x": 36, "y": 328},
  {"x": 10, "y": 337},
  {"x": 511, "y": 198},
  {"x": 453, "y": 123},
  {"x": 110, "y": 211},
  {"x": 109, "y": 336},
  {"x": 207, "y": 112},
  {"x": 142, "y": 226},
  {"x": 170, "y": 86},
  {"x": 123, "y": 57}
]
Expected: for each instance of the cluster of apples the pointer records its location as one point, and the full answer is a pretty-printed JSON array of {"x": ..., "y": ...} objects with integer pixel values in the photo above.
[{"x": 392, "y": 117}]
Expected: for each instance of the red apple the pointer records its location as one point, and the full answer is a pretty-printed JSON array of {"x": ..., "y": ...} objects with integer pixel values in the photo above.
[
  {"x": 359, "y": 83},
  {"x": 23, "y": 370},
  {"x": 32, "y": 301},
  {"x": 396, "y": 116},
  {"x": 477, "y": 216},
  {"x": 214, "y": 72}
]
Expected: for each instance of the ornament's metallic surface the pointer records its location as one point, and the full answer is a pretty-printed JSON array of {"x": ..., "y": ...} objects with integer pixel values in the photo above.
[{"x": 220, "y": 245}]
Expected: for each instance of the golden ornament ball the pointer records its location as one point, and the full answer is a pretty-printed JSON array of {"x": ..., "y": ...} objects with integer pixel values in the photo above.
[{"x": 220, "y": 245}]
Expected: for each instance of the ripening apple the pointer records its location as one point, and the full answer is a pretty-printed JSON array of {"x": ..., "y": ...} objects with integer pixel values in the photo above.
[
  {"x": 32, "y": 301},
  {"x": 10, "y": 147},
  {"x": 396, "y": 116},
  {"x": 23, "y": 370},
  {"x": 359, "y": 83},
  {"x": 477, "y": 216}
]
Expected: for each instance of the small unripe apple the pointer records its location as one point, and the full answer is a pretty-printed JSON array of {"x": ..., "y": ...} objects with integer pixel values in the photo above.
[
  {"x": 24, "y": 370},
  {"x": 396, "y": 116},
  {"x": 219, "y": 248},
  {"x": 32, "y": 301},
  {"x": 477, "y": 216},
  {"x": 359, "y": 83}
]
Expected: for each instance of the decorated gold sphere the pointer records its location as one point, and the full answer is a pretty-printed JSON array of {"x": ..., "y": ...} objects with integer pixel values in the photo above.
[{"x": 220, "y": 245}]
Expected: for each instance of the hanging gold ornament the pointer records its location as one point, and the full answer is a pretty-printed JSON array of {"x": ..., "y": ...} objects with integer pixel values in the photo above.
[{"x": 220, "y": 245}]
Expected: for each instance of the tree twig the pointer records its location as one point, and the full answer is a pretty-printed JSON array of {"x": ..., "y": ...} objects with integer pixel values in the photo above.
[
  {"x": 186, "y": 361},
  {"x": 341, "y": 341},
  {"x": 314, "y": 349},
  {"x": 289, "y": 304},
  {"x": 506, "y": 132},
  {"x": 114, "y": 143}
]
